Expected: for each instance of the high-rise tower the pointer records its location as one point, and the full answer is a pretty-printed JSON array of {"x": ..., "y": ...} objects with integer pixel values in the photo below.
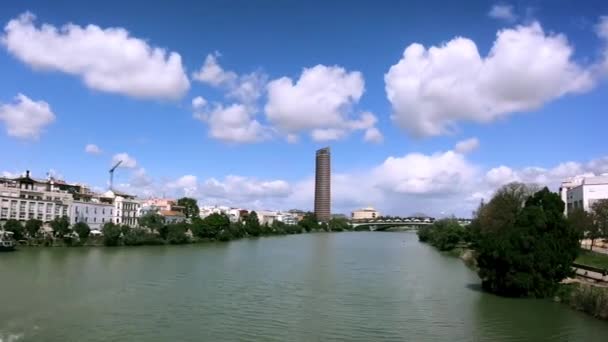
[{"x": 323, "y": 185}]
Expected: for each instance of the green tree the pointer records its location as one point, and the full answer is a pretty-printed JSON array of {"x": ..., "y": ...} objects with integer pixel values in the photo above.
[
  {"x": 60, "y": 226},
  {"x": 252, "y": 224},
  {"x": 32, "y": 227},
  {"x": 338, "y": 224},
  {"x": 309, "y": 222},
  {"x": 582, "y": 222},
  {"x": 111, "y": 234},
  {"x": 528, "y": 249},
  {"x": 211, "y": 226},
  {"x": 190, "y": 206},
  {"x": 443, "y": 234},
  {"x": 278, "y": 227},
  {"x": 82, "y": 229},
  {"x": 153, "y": 221},
  {"x": 14, "y": 226},
  {"x": 599, "y": 214},
  {"x": 177, "y": 233}
]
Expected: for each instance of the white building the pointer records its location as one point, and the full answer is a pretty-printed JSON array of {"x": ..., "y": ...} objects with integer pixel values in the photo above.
[
  {"x": 587, "y": 192},
  {"x": 266, "y": 216},
  {"x": 94, "y": 213},
  {"x": 287, "y": 218},
  {"x": 368, "y": 213},
  {"x": 25, "y": 198},
  {"x": 126, "y": 208}
]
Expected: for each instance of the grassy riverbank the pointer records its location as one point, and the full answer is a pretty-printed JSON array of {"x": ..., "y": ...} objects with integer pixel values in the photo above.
[
  {"x": 593, "y": 259},
  {"x": 590, "y": 299}
]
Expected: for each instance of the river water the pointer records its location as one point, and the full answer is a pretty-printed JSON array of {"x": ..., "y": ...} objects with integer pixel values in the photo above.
[{"x": 359, "y": 286}]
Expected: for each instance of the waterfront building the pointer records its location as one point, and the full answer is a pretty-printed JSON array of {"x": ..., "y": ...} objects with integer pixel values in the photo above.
[
  {"x": 126, "y": 207},
  {"x": 585, "y": 192},
  {"x": 323, "y": 185},
  {"x": 297, "y": 213},
  {"x": 93, "y": 212},
  {"x": 25, "y": 198},
  {"x": 287, "y": 218},
  {"x": 172, "y": 216},
  {"x": 266, "y": 216},
  {"x": 368, "y": 213}
]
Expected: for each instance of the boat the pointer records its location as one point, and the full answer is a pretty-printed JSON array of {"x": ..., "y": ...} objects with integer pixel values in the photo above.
[{"x": 7, "y": 243}]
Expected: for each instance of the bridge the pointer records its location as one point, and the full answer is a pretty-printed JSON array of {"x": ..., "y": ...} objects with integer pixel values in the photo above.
[
  {"x": 377, "y": 225},
  {"x": 413, "y": 223}
]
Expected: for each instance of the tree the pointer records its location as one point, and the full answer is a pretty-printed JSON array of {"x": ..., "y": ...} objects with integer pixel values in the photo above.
[
  {"x": 210, "y": 226},
  {"x": 600, "y": 220},
  {"x": 177, "y": 233},
  {"x": 309, "y": 222},
  {"x": 82, "y": 229},
  {"x": 528, "y": 249},
  {"x": 190, "y": 206},
  {"x": 111, "y": 234},
  {"x": 252, "y": 224},
  {"x": 443, "y": 234},
  {"x": 32, "y": 227},
  {"x": 338, "y": 224},
  {"x": 61, "y": 226},
  {"x": 15, "y": 227},
  {"x": 582, "y": 222},
  {"x": 153, "y": 221}
]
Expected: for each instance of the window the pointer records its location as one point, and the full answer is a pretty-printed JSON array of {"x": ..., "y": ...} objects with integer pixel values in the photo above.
[
  {"x": 95, "y": 210},
  {"x": 94, "y": 219}
]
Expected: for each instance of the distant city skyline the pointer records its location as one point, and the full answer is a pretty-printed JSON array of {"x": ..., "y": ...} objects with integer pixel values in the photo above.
[{"x": 224, "y": 100}]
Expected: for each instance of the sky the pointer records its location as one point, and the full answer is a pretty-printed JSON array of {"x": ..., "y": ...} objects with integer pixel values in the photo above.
[{"x": 427, "y": 106}]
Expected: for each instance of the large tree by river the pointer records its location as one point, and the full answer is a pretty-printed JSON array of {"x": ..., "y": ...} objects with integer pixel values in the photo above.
[{"x": 524, "y": 244}]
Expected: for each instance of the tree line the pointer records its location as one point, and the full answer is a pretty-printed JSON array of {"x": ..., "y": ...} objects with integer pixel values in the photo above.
[
  {"x": 153, "y": 230},
  {"x": 523, "y": 243}
]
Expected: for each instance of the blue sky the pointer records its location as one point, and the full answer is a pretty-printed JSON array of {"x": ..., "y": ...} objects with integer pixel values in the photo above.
[{"x": 317, "y": 74}]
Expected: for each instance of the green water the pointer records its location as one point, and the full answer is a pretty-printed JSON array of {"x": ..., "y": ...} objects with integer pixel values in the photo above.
[{"x": 364, "y": 286}]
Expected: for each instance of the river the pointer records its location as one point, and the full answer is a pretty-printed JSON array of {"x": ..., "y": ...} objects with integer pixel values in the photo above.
[{"x": 359, "y": 286}]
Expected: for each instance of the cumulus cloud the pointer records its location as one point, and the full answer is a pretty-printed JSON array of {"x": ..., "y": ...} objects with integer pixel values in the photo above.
[
  {"x": 246, "y": 88},
  {"x": 234, "y": 123},
  {"x": 321, "y": 101},
  {"x": 467, "y": 145},
  {"x": 126, "y": 160},
  {"x": 433, "y": 89},
  {"x": 92, "y": 149},
  {"x": 372, "y": 134},
  {"x": 26, "y": 118},
  {"x": 503, "y": 12},
  {"x": 188, "y": 184},
  {"x": 108, "y": 59}
]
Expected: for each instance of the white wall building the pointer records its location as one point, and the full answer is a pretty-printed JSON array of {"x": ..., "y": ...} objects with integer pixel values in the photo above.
[
  {"x": 126, "y": 208},
  {"x": 93, "y": 213},
  {"x": 583, "y": 195},
  {"x": 368, "y": 213},
  {"x": 287, "y": 218}
]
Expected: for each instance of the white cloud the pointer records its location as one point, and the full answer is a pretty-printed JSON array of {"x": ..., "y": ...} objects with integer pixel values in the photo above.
[
  {"x": 320, "y": 101},
  {"x": 602, "y": 32},
  {"x": 199, "y": 103},
  {"x": 467, "y": 145},
  {"x": 108, "y": 59},
  {"x": 128, "y": 162},
  {"x": 431, "y": 90},
  {"x": 92, "y": 149},
  {"x": 188, "y": 184},
  {"x": 504, "y": 12},
  {"x": 372, "y": 134},
  {"x": 246, "y": 88},
  {"x": 235, "y": 123},
  {"x": 26, "y": 118},
  {"x": 8, "y": 174},
  {"x": 417, "y": 173}
]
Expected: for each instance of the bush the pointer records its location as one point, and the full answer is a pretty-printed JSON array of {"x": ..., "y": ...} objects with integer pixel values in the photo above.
[
  {"x": 177, "y": 234},
  {"x": 14, "y": 226},
  {"x": 111, "y": 234},
  {"x": 443, "y": 234},
  {"x": 82, "y": 229},
  {"x": 140, "y": 237}
]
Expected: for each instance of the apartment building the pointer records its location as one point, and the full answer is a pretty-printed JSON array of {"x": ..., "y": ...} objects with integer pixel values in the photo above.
[{"x": 127, "y": 208}]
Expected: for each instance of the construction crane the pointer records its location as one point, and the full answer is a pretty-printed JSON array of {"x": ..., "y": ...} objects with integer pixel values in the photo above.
[{"x": 112, "y": 173}]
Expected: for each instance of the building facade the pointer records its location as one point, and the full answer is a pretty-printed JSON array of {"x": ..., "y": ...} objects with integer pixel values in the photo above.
[
  {"x": 25, "y": 198},
  {"x": 94, "y": 213},
  {"x": 127, "y": 208},
  {"x": 586, "y": 192},
  {"x": 368, "y": 213},
  {"x": 323, "y": 185}
]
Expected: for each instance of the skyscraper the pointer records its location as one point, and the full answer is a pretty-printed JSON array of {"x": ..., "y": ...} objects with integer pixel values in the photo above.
[{"x": 323, "y": 185}]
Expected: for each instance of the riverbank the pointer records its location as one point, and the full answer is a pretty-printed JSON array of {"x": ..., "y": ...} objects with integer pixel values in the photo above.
[{"x": 582, "y": 295}]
